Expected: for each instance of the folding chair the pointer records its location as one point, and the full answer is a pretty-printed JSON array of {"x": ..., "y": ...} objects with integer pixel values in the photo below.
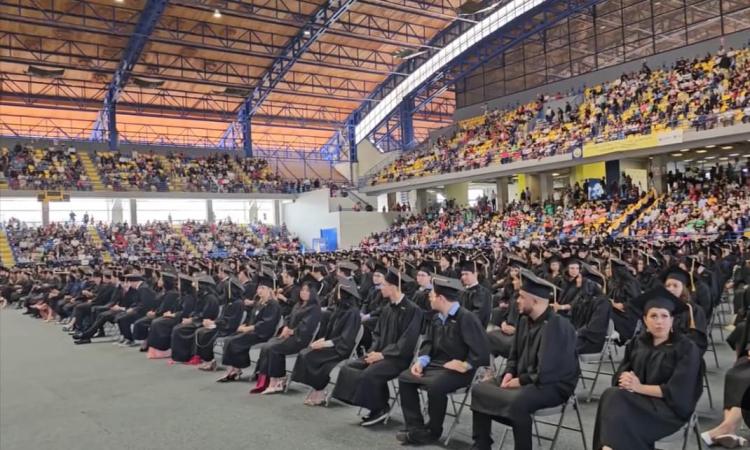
[
  {"x": 219, "y": 340},
  {"x": 711, "y": 344},
  {"x": 681, "y": 435},
  {"x": 707, "y": 386},
  {"x": 288, "y": 378},
  {"x": 352, "y": 356},
  {"x": 598, "y": 359},
  {"x": 556, "y": 410},
  {"x": 394, "y": 400},
  {"x": 466, "y": 391},
  {"x": 279, "y": 327}
]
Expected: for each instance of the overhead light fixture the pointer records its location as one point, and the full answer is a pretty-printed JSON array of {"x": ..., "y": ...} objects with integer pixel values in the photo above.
[
  {"x": 676, "y": 154},
  {"x": 710, "y": 146},
  {"x": 734, "y": 155},
  {"x": 727, "y": 147},
  {"x": 685, "y": 150},
  {"x": 119, "y": 1},
  {"x": 408, "y": 53},
  {"x": 307, "y": 33},
  {"x": 709, "y": 158},
  {"x": 688, "y": 160},
  {"x": 555, "y": 174},
  {"x": 217, "y": 13},
  {"x": 701, "y": 151},
  {"x": 724, "y": 158}
]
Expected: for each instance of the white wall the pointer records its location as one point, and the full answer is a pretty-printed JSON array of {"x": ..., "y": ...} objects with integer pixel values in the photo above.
[
  {"x": 367, "y": 156},
  {"x": 308, "y": 214},
  {"x": 353, "y": 226}
]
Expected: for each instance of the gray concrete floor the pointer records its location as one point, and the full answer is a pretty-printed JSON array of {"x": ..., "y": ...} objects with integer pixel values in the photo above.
[{"x": 55, "y": 395}]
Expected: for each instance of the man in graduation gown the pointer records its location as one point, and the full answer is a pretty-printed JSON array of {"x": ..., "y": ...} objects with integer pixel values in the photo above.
[
  {"x": 145, "y": 301},
  {"x": 167, "y": 301},
  {"x": 103, "y": 292},
  {"x": 159, "y": 338},
  {"x": 206, "y": 311},
  {"x": 542, "y": 370},
  {"x": 373, "y": 304},
  {"x": 590, "y": 312},
  {"x": 228, "y": 321},
  {"x": 501, "y": 339},
  {"x": 455, "y": 346},
  {"x": 364, "y": 382},
  {"x": 122, "y": 297},
  {"x": 476, "y": 298}
]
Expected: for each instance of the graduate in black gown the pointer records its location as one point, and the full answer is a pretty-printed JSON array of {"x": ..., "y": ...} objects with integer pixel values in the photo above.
[
  {"x": 288, "y": 294},
  {"x": 657, "y": 385},
  {"x": 542, "y": 369},
  {"x": 122, "y": 298},
  {"x": 424, "y": 273},
  {"x": 145, "y": 301},
  {"x": 167, "y": 300},
  {"x": 260, "y": 325},
  {"x": 690, "y": 321},
  {"x": 455, "y": 346},
  {"x": 501, "y": 339},
  {"x": 621, "y": 289},
  {"x": 206, "y": 311},
  {"x": 227, "y": 323},
  {"x": 736, "y": 386},
  {"x": 364, "y": 382},
  {"x": 300, "y": 330},
  {"x": 315, "y": 363},
  {"x": 159, "y": 338},
  {"x": 372, "y": 305},
  {"x": 476, "y": 297},
  {"x": 590, "y": 312}
]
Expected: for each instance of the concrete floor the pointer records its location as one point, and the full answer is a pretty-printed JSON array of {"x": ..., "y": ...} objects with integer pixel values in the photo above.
[{"x": 55, "y": 395}]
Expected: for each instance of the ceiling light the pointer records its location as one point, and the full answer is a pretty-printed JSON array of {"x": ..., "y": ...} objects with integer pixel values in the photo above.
[
  {"x": 701, "y": 151},
  {"x": 710, "y": 146},
  {"x": 708, "y": 158},
  {"x": 119, "y": 1},
  {"x": 555, "y": 174},
  {"x": 724, "y": 158},
  {"x": 727, "y": 147},
  {"x": 688, "y": 160},
  {"x": 685, "y": 150},
  {"x": 676, "y": 154},
  {"x": 734, "y": 155},
  {"x": 307, "y": 33},
  {"x": 217, "y": 14}
]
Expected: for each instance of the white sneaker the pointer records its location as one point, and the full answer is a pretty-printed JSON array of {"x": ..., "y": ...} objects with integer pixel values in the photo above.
[
  {"x": 707, "y": 438},
  {"x": 730, "y": 441}
]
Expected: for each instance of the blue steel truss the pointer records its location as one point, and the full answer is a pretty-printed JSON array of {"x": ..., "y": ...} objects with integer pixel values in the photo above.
[
  {"x": 323, "y": 18},
  {"x": 106, "y": 123}
]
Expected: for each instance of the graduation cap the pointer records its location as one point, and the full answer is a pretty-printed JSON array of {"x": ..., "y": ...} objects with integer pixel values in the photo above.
[
  {"x": 134, "y": 277},
  {"x": 236, "y": 289},
  {"x": 267, "y": 278},
  {"x": 226, "y": 269},
  {"x": 679, "y": 274},
  {"x": 169, "y": 274},
  {"x": 348, "y": 289},
  {"x": 659, "y": 297},
  {"x": 591, "y": 273},
  {"x": 517, "y": 262},
  {"x": 554, "y": 258},
  {"x": 536, "y": 286},
  {"x": 205, "y": 279},
  {"x": 428, "y": 267},
  {"x": 449, "y": 288},
  {"x": 571, "y": 260},
  {"x": 393, "y": 277},
  {"x": 319, "y": 268},
  {"x": 380, "y": 268},
  {"x": 617, "y": 262},
  {"x": 311, "y": 281}
]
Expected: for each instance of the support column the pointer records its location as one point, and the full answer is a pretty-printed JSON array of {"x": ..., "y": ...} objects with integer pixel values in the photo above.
[
  {"x": 112, "y": 124},
  {"x": 392, "y": 200},
  {"x": 210, "y": 216},
  {"x": 421, "y": 202},
  {"x": 501, "y": 190},
  {"x": 133, "y": 212},
  {"x": 532, "y": 182},
  {"x": 546, "y": 189},
  {"x": 407, "y": 122},
  {"x": 45, "y": 213},
  {"x": 277, "y": 212},
  {"x": 658, "y": 171},
  {"x": 458, "y": 192},
  {"x": 247, "y": 135},
  {"x": 612, "y": 171},
  {"x": 117, "y": 211}
]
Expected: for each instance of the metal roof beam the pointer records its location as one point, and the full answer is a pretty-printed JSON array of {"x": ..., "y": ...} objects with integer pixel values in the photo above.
[{"x": 105, "y": 123}]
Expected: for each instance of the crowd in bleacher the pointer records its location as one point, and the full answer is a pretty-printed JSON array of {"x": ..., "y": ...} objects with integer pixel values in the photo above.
[
  {"x": 700, "y": 93},
  {"x": 56, "y": 243},
  {"x": 26, "y": 167}
]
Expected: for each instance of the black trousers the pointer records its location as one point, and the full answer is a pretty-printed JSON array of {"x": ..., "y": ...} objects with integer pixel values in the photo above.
[
  {"x": 98, "y": 325},
  {"x": 82, "y": 315},
  {"x": 141, "y": 327},
  {"x": 272, "y": 359},
  {"x": 125, "y": 321},
  {"x": 364, "y": 385},
  {"x": 438, "y": 382}
]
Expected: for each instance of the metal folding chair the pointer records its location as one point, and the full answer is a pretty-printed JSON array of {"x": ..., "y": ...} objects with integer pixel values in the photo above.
[
  {"x": 288, "y": 378},
  {"x": 556, "y": 410},
  {"x": 681, "y": 436},
  {"x": 588, "y": 359},
  {"x": 352, "y": 356},
  {"x": 466, "y": 391}
]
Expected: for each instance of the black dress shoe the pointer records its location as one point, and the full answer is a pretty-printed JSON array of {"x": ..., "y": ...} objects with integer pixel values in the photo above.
[
  {"x": 77, "y": 336},
  {"x": 83, "y": 341},
  {"x": 101, "y": 334},
  {"x": 420, "y": 437}
]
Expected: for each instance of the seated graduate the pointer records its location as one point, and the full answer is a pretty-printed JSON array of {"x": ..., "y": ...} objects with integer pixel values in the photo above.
[
  {"x": 297, "y": 334},
  {"x": 364, "y": 382},
  {"x": 260, "y": 325},
  {"x": 167, "y": 300},
  {"x": 206, "y": 311},
  {"x": 455, "y": 346},
  {"x": 506, "y": 313},
  {"x": 691, "y": 320},
  {"x": 372, "y": 305},
  {"x": 476, "y": 297},
  {"x": 287, "y": 295},
  {"x": 230, "y": 317},
  {"x": 144, "y": 301},
  {"x": 657, "y": 384},
  {"x": 542, "y": 369},
  {"x": 102, "y": 291},
  {"x": 121, "y": 299},
  {"x": 736, "y": 386},
  {"x": 315, "y": 363},
  {"x": 159, "y": 338},
  {"x": 621, "y": 289},
  {"x": 590, "y": 312}
]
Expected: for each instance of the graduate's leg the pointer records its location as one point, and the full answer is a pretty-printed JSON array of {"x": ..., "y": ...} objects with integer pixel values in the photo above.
[
  {"x": 481, "y": 426},
  {"x": 437, "y": 397},
  {"x": 408, "y": 392},
  {"x": 124, "y": 324}
]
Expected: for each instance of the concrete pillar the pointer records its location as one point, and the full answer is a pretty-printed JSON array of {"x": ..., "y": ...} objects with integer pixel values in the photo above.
[
  {"x": 421, "y": 202},
  {"x": 501, "y": 189},
  {"x": 532, "y": 182},
  {"x": 45, "y": 213},
  {"x": 658, "y": 170},
  {"x": 545, "y": 187},
  {"x": 458, "y": 192},
  {"x": 392, "y": 200},
  {"x": 253, "y": 212},
  {"x": 210, "y": 216},
  {"x": 637, "y": 170},
  {"x": 117, "y": 211},
  {"x": 277, "y": 212},
  {"x": 133, "y": 212}
]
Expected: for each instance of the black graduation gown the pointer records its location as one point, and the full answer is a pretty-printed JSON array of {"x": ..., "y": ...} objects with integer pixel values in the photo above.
[
  {"x": 313, "y": 367},
  {"x": 623, "y": 289},
  {"x": 160, "y": 332},
  {"x": 167, "y": 302},
  {"x": 227, "y": 322},
  {"x": 395, "y": 336},
  {"x": 291, "y": 292},
  {"x": 590, "y": 316},
  {"x": 461, "y": 337},
  {"x": 626, "y": 420},
  {"x": 265, "y": 317},
  {"x": 698, "y": 334},
  {"x": 544, "y": 360},
  {"x": 737, "y": 378},
  {"x": 478, "y": 299},
  {"x": 501, "y": 343},
  {"x": 304, "y": 320},
  {"x": 422, "y": 299},
  {"x": 183, "y": 335}
]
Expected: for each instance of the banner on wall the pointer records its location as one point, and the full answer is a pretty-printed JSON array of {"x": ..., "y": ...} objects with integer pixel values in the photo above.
[{"x": 633, "y": 143}]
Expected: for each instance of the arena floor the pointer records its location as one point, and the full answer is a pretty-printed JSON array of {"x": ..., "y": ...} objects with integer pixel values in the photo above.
[{"x": 54, "y": 395}]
